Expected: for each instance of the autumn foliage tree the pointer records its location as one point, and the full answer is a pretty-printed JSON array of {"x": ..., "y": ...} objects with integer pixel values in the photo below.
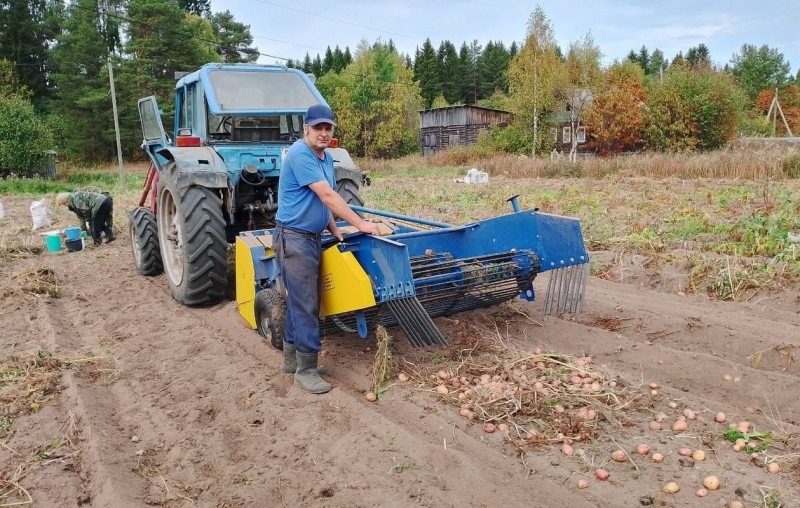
[
  {"x": 375, "y": 100},
  {"x": 693, "y": 108},
  {"x": 789, "y": 99},
  {"x": 616, "y": 118}
]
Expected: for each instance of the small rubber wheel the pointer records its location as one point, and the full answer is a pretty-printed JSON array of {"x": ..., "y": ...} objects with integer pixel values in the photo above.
[{"x": 271, "y": 317}]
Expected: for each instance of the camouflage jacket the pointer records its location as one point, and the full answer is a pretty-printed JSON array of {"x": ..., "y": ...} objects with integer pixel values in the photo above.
[{"x": 85, "y": 205}]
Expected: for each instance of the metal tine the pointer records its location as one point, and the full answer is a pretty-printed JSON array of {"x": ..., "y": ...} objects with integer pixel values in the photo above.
[
  {"x": 548, "y": 296},
  {"x": 574, "y": 277},
  {"x": 564, "y": 291},
  {"x": 395, "y": 306},
  {"x": 582, "y": 286},
  {"x": 416, "y": 323},
  {"x": 553, "y": 296}
]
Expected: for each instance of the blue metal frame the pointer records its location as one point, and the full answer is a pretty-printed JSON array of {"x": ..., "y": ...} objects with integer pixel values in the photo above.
[{"x": 557, "y": 242}]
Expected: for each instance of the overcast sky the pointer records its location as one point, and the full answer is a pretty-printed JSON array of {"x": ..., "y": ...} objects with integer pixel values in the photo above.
[{"x": 282, "y": 28}]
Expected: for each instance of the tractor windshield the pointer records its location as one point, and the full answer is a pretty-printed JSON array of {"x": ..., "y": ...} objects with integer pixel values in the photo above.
[{"x": 248, "y": 91}]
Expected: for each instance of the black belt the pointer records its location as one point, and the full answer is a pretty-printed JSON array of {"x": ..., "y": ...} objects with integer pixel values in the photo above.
[{"x": 292, "y": 231}]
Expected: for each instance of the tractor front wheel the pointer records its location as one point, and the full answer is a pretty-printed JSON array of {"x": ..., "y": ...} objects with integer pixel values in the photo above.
[
  {"x": 271, "y": 317},
  {"x": 191, "y": 231},
  {"x": 144, "y": 241}
]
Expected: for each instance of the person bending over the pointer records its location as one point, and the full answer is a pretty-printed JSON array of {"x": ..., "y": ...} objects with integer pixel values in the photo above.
[{"x": 93, "y": 209}]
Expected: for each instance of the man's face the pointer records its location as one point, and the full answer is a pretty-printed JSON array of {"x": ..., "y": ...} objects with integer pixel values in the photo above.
[{"x": 318, "y": 136}]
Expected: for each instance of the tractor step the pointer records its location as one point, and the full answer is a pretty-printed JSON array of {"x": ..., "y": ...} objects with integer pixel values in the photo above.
[{"x": 415, "y": 322}]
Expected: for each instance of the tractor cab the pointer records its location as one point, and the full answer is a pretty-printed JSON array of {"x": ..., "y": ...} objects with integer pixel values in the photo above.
[{"x": 232, "y": 127}]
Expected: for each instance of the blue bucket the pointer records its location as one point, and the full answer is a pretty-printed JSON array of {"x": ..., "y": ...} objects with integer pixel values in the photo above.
[
  {"x": 72, "y": 233},
  {"x": 53, "y": 242}
]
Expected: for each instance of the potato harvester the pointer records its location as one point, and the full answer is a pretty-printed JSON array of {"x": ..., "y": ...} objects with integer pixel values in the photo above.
[{"x": 420, "y": 269}]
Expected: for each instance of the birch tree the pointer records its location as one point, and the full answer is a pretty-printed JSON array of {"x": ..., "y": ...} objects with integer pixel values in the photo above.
[
  {"x": 583, "y": 74},
  {"x": 535, "y": 73}
]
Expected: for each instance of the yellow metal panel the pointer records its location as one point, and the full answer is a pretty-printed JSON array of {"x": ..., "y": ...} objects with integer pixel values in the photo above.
[
  {"x": 246, "y": 277},
  {"x": 344, "y": 286}
]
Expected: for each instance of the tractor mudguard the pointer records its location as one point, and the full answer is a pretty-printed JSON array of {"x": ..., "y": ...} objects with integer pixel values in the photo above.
[{"x": 198, "y": 166}]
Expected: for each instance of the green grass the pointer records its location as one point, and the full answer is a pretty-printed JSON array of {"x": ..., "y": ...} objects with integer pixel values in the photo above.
[{"x": 35, "y": 187}]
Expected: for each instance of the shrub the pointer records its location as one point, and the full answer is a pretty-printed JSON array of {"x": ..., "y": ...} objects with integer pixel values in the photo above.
[
  {"x": 791, "y": 166},
  {"x": 24, "y": 138}
]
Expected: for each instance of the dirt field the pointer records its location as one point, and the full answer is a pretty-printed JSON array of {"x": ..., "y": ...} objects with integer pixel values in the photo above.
[{"x": 114, "y": 395}]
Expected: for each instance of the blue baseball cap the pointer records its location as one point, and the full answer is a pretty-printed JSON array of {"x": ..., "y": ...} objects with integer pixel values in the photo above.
[{"x": 319, "y": 113}]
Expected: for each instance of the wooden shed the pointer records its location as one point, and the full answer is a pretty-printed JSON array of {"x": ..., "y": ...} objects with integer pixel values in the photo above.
[{"x": 441, "y": 128}]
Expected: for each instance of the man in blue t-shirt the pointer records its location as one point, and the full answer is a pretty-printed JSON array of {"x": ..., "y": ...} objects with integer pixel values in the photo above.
[{"x": 307, "y": 203}]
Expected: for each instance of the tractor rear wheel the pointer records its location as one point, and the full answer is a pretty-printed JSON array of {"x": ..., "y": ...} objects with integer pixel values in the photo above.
[
  {"x": 144, "y": 241},
  {"x": 191, "y": 231},
  {"x": 347, "y": 185},
  {"x": 271, "y": 317}
]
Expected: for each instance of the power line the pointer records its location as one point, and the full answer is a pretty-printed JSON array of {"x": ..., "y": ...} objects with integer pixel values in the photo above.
[{"x": 339, "y": 20}]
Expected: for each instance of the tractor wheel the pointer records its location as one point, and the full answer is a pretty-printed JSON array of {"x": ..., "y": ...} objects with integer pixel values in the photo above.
[
  {"x": 347, "y": 185},
  {"x": 271, "y": 317},
  {"x": 144, "y": 241},
  {"x": 191, "y": 231}
]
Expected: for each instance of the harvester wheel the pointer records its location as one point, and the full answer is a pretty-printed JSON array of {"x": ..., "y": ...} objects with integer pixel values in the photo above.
[
  {"x": 144, "y": 241},
  {"x": 347, "y": 185},
  {"x": 191, "y": 231},
  {"x": 271, "y": 317}
]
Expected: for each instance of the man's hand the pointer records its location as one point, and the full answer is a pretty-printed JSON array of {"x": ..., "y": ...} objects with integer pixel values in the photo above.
[
  {"x": 370, "y": 228},
  {"x": 335, "y": 231}
]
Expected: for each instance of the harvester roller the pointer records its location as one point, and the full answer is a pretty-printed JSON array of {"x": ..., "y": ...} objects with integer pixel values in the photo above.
[{"x": 417, "y": 270}]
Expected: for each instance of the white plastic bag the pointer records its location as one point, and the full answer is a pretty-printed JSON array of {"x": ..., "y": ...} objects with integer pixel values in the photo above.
[
  {"x": 474, "y": 175},
  {"x": 40, "y": 215},
  {"x": 2, "y": 210}
]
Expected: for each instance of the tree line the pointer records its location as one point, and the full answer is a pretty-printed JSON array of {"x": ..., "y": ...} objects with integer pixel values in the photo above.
[{"x": 54, "y": 84}]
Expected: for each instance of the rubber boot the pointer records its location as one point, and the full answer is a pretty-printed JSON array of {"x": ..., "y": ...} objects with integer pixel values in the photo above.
[
  {"x": 110, "y": 236},
  {"x": 307, "y": 377},
  {"x": 290, "y": 360}
]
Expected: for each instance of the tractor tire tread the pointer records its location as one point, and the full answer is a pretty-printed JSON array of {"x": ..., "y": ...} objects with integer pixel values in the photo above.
[{"x": 143, "y": 226}]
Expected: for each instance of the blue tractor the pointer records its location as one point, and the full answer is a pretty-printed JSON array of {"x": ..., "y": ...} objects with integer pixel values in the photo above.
[{"x": 217, "y": 174}]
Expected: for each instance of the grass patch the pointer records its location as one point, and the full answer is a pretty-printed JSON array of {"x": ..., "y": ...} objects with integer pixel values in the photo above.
[
  {"x": 107, "y": 181},
  {"x": 382, "y": 366},
  {"x": 33, "y": 282}
]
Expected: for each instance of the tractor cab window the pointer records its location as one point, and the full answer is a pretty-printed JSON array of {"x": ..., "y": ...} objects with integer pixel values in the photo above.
[
  {"x": 247, "y": 91},
  {"x": 266, "y": 128},
  {"x": 185, "y": 103}
]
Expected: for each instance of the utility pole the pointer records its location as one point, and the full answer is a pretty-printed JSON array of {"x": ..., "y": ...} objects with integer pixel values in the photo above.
[
  {"x": 113, "y": 99},
  {"x": 777, "y": 108}
]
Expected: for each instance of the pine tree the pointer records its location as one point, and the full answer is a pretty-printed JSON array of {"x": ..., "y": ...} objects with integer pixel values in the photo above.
[
  {"x": 451, "y": 73},
  {"x": 348, "y": 58},
  {"x": 82, "y": 81},
  {"x": 161, "y": 39},
  {"x": 26, "y": 33},
  {"x": 234, "y": 39},
  {"x": 658, "y": 64},
  {"x": 644, "y": 59},
  {"x": 199, "y": 7},
  {"x": 307, "y": 65},
  {"x": 492, "y": 68},
  {"x": 316, "y": 66},
  {"x": 338, "y": 62},
  {"x": 468, "y": 91},
  {"x": 633, "y": 57},
  {"x": 327, "y": 62},
  {"x": 698, "y": 55},
  {"x": 426, "y": 73}
]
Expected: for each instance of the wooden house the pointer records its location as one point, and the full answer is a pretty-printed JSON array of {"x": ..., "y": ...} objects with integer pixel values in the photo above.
[{"x": 442, "y": 128}]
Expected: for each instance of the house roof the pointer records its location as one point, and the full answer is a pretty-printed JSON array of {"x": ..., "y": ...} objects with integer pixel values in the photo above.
[{"x": 458, "y": 106}]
